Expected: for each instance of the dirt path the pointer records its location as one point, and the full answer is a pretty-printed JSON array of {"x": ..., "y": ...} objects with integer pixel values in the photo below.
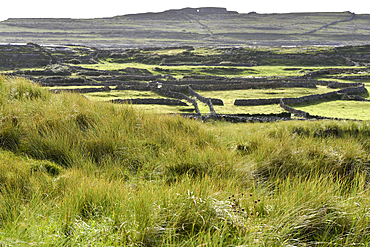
[
  {"x": 203, "y": 28},
  {"x": 329, "y": 24}
]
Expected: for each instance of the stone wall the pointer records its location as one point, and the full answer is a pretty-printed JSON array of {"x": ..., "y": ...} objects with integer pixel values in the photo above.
[
  {"x": 254, "y": 102},
  {"x": 84, "y": 90},
  {"x": 296, "y": 112},
  {"x": 333, "y": 71},
  {"x": 22, "y": 56},
  {"x": 360, "y": 88},
  {"x": 238, "y": 119},
  {"x": 217, "y": 101},
  {"x": 176, "y": 95},
  {"x": 129, "y": 77},
  {"x": 205, "y": 100},
  {"x": 149, "y": 101},
  {"x": 254, "y": 83},
  {"x": 285, "y": 101}
]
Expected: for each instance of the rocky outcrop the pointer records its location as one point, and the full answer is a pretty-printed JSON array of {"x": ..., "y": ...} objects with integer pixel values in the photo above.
[{"x": 22, "y": 56}]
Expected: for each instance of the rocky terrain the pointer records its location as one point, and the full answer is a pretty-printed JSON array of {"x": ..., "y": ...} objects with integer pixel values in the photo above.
[
  {"x": 193, "y": 26},
  {"x": 58, "y": 65}
]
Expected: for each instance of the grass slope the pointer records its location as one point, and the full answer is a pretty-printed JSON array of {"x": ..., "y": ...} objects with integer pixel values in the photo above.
[{"x": 75, "y": 172}]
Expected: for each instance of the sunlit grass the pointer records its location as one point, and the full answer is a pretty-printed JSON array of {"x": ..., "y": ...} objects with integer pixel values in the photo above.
[
  {"x": 76, "y": 172},
  {"x": 339, "y": 109}
]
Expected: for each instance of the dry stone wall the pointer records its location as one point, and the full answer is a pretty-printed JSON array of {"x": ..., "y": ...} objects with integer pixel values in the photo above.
[
  {"x": 284, "y": 102},
  {"x": 359, "y": 88},
  {"x": 353, "y": 88},
  {"x": 254, "y": 102},
  {"x": 205, "y": 100},
  {"x": 22, "y": 56},
  {"x": 176, "y": 95},
  {"x": 149, "y": 101}
]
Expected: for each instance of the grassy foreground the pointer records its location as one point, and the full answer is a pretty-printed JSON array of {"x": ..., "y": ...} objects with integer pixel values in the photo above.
[{"x": 81, "y": 173}]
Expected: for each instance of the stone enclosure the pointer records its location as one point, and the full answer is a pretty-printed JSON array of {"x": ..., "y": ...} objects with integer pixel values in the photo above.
[{"x": 57, "y": 72}]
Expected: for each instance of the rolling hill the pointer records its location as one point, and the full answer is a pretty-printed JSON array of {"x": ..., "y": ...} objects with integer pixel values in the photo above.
[{"x": 197, "y": 27}]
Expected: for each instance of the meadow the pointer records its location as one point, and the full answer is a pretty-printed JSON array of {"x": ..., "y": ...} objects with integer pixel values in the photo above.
[{"x": 75, "y": 172}]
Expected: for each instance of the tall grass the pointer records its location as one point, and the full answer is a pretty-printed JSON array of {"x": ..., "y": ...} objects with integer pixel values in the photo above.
[{"x": 75, "y": 172}]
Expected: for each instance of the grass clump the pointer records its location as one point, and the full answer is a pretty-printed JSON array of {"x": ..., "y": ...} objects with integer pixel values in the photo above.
[{"x": 75, "y": 172}]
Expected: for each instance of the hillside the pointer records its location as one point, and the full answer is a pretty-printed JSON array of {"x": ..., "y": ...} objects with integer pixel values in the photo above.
[
  {"x": 203, "y": 26},
  {"x": 74, "y": 172}
]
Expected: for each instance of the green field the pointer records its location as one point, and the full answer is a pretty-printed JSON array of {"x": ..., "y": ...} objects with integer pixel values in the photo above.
[
  {"x": 194, "y": 64},
  {"x": 344, "y": 109}
]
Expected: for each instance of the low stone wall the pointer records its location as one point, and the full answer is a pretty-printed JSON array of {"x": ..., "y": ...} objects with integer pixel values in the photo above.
[
  {"x": 299, "y": 100},
  {"x": 238, "y": 119},
  {"x": 296, "y": 112},
  {"x": 254, "y": 102},
  {"x": 129, "y": 77},
  {"x": 84, "y": 90},
  {"x": 353, "y": 97},
  {"x": 149, "y": 101},
  {"x": 175, "y": 95},
  {"x": 343, "y": 85},
  {"x": 205, "y": 100},
  {"x": 140, "y": 87},
  {"x": 350, "y": 90},
  {"x": 251, "y": 82},
  {"x": 314, "y": 97},
  {"x": 284, "y": 102},
  {"x": 217, "y": 101},
  {"x": 333, "y": 71},
  {"x": 22, "y": 56}
]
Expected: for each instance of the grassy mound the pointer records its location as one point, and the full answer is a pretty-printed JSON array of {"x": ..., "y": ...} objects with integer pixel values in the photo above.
[{"x": 75, "y": 172}]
